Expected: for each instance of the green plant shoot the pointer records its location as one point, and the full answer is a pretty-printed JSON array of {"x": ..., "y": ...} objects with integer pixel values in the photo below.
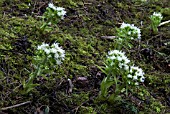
[
  {"x": 52, "y": 16},
  {"x": 155, "y": 21},
  {"x": 46, "y": 59},
  {"x": 120, "y": 75}
]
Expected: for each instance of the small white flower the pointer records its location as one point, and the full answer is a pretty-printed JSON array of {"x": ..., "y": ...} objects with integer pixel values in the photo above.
[
  {"x": 60, "y": 8},
  {"x": 126, "y": 67},
  {"x": 120, "y": 65},
  {"x": 56, "y": 55},
  {"x": 61, "y": 51},
  {"x": 142, "y": 79},
  {"x": 58, "y": 62},
  {"x": 129, "y": 33},
  {"x": 119, "y": 58},
  {"x": 136, "y": 83},
  {"x": 125, "y": 25},
  {"x": 125, "y": 59},
  {"x": 135, "y": 77},
  {"x": 129, "y": 76},
  {"x": 110, "y": 52},
  {"x": 53, "y": 50},
  {"x": 62, "y": 56},
  {"x": 140, "y": 72},
  {"x": 112, "y": 57},
  {"x": 61, "y": 12},
  {"x": 116, "y": 52},
  {"x": 129, "y": 82},
  {"x": 39, "y": 47},
  {"x": 51, "y": 5},
  {"x": 43, "y": 46},
  {"x": 55, "y": 45},
  {"x": 157, "y": 15},
  {"x": 47, "y": 51}
]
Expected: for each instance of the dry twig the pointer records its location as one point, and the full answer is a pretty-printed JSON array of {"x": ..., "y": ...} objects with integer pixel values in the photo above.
[
  {"x": 17, "y": 105},
  {"x": 163, "y": 23}
]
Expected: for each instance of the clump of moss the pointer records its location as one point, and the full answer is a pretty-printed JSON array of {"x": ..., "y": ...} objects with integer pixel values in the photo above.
[{"x": 79, "y": 35}]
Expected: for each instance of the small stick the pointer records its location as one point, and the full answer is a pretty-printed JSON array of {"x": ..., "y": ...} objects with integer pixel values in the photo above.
[
  {"x": 165, "y": 22},
  {"x": 70, "y": 86},
  {"x": 17, "y": 105},
  {"x": 108, "y": 37}
]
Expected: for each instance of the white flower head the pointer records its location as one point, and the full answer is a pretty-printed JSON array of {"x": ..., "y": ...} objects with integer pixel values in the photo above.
[
  {"x": 61, "y": 12},
  {"x": 43, "y": 46},
  {"x": 138, "y": 74},
  {"x": 158, "y": 15},
  {"x": 58, "y": 52},
  {"x": 116, "y": 55},
  {"x": 51, "y": 5},
  {"x": 53, "y": 51},
  {"x": 133, "y": 30}
]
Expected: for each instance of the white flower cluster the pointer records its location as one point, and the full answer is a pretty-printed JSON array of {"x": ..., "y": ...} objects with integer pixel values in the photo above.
[
  {"x": 53, "y": 51},
  {"x": 60, "y": 10},
  {"x": 119, "y": 60},
  {"x": 136, "y": 74},
  {"x": 51, "y": 5},
  {"x": 133, "y": 30},
  {"x": 159, "y": 15},
  {"x": 120, "y": 57}
]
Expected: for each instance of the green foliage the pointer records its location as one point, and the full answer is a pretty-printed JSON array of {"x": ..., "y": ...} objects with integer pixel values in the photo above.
[
  {"x": 120, "y": 74},
  {"x": 125, "y": 34},
  {"x": 52, "y": 16},
  {"x": 45, "y": 61},
  {"x": 155, "y": 21},
  {"x": 23, "y": 6}
]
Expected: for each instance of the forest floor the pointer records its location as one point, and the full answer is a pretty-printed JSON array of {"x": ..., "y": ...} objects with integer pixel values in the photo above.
[{"x": 83, "y": 34}]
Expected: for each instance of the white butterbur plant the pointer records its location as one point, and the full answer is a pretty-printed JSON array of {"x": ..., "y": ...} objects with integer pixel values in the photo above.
[
  {"x": 52, "y": 15},
  {"x": 155, "y": 18},
  {"x": 119, "y": 73},
  {"x": 47, "y": 58},
  {"x": 125, "y": 34}
]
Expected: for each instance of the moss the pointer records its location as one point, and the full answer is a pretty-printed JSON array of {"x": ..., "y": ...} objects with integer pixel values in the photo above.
[
  {"x": 79, "y": 34},
  {"x": 23, "y": 6}
]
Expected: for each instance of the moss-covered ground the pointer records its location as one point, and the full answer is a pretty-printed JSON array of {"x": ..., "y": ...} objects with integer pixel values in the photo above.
[{"x": 82, "y": 34}]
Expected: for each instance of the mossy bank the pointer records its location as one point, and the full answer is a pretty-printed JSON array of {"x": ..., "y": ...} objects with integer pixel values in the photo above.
[{"x": 83, "y": 35}]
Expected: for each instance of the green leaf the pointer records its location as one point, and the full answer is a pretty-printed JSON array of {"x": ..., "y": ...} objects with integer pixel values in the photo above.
[
  {"x": 23, "y": 83},
  {"x": 101, "y": 69},
  {"x": 114, "y": 98},
  {"x": 105, "y": 85},
  {"x": 30, "y": 87}
]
